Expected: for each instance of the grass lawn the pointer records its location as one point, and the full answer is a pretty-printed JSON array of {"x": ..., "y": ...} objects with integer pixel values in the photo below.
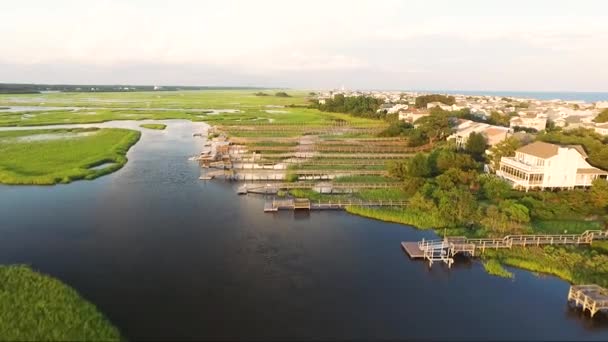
[
  {"x": 53, "y": 156},
  {"x": 36, "y": 307},
  {"x": 154, "y": 126}
]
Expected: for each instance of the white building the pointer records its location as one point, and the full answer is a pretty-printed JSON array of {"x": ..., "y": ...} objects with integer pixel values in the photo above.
[
  {"x": 542, "y": 165},
  {"x": 396, "y": 108},
  {"x": 443, "y": 106},
  {"x": 601, "y": 128},
  {"x": 493, "y": 134},
  {"x": 412, "y": 116},
  {"x": 537, "y": 122}
]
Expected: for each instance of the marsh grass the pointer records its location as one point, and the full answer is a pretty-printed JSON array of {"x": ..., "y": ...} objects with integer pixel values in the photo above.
[
  {"x": 579, "y": 265},
  {"x": 154, "y": 126},
  {"x": 37, "y": 307},
  {"x": 46, "y": 162},
  {"x": 494, "y": 267}
]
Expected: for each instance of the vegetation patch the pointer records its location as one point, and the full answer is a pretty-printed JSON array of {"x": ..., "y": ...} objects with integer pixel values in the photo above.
[
  {"x": 25, "y": 159},
  {"x": 579, "y": 265},
  {"x": 36, "y": 307},
  {"x": 494, "y": 267},
  {"x": 154, "y": 126}
]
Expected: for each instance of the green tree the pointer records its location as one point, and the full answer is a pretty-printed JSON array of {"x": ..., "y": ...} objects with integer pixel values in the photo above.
[
  {"x": 397, "y": 169},
  {"x": 494, "y": 188},
  {"x": 457, "y": 206},
  {"x": 434, "y": 127},
  {"x": 422, "y": 101},
  {"x": 505, "y": 148},
  {"x": 476, "y": 145},
  {"x": 418, "y": 166},
  {"x": 598, "y": 195},
  {"x": 602, "y": 116}
]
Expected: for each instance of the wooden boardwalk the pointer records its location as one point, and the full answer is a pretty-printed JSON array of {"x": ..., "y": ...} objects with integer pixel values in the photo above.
[
  {"x": 275, "y": 204},
  {"x": 593, "y": 298},
  {"x": 445, "y": 249},
  {"x": 273, "y": 188}
]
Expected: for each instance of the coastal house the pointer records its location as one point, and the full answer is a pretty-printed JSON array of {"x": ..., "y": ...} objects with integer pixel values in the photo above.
[
  {"x": 541, "y": 165},
  {"x": 601, "y": 128},
  {"x": 529, "y": 120},
  {"x": 464, "y": 128},
  {"x": 443, "y": 106},
  {"x": 412, "y": 115}
]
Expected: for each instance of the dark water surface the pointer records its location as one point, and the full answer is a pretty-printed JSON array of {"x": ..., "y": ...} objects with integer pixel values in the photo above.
[{"x": 166, "y": 256}]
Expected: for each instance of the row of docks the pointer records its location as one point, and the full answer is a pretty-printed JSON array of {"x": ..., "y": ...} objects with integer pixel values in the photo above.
[
  {"x": 333, "y": 148},
  {"x": 347, "y": 141},
  {"x": 444, "y": 250},
  {"x": 273, "y": 205},
  {"x": 402, "y": 155},
  {"x": 304, "y": 129},
  {"x": 324, "y": 188}
]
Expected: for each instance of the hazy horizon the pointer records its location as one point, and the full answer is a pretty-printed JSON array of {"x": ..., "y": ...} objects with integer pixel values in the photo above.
[{"x": 543, "y": 46}]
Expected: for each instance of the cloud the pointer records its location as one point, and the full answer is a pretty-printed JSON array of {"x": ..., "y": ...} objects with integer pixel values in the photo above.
[{"x": 407, "y": 43}]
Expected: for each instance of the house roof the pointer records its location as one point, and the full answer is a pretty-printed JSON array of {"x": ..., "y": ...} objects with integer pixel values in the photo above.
[
  {"x": 591, "y": 170},
  {"x": 545, "y": 150},
  {"x": 540, "y": 149},
  {"x": 580, "y": 150}
]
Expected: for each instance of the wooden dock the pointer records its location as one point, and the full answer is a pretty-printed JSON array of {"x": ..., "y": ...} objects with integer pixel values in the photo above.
[
  {"x": 444, "y": 250},
  {"x": 412, "y": 249},
  {"x": 272, "y": 205},
  {"x": 593, "y": 298}
]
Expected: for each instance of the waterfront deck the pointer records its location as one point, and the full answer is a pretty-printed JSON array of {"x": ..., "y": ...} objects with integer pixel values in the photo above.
[
  {"x": 412, "y": 249},
  {"x": 592, "y": 298}
]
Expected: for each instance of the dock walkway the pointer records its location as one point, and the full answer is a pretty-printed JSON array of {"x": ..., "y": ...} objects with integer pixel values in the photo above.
[
  {"x": 273, "y": 205},
  {"x": 444, "y": 250}
]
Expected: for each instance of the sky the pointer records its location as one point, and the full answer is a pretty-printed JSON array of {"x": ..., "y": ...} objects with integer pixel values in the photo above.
[{"x": 532, "y": 45}]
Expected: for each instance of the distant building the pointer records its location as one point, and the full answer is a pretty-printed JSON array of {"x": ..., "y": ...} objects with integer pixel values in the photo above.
[
  {"x": 541, "y": 165},
  {"x": 443, "y": 106},
  {"x": 535, "y": 121},
  {"x": 601, "y": 129},
  {"x": 464, "y": 128},
  {"x": 412, "y": 115}
]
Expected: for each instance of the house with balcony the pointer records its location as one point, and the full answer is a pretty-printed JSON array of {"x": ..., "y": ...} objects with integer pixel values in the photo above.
[{"x": 541, "y": 165}]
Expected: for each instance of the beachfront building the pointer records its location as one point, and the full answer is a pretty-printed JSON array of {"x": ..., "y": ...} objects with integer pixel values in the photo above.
[
  {"x": 541, "y": 165},
  {"x": 464, "y": 128}
]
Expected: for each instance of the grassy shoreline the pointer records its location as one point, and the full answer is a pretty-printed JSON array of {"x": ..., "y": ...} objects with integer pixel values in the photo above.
[
  {"x": 577, "y": 265},
  {"x": 37, "y": 307},
  {"x": 51, "y": 156}
]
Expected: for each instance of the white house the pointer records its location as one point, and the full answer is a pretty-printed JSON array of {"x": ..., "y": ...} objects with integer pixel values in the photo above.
[
  {"x": 537, "y": 122},
  {"x": 542, "y": 165},
  {"x": 601, "y": 128},
  {"x": 464, "y": 128},
  {"x": 396, "y": 108},
  {"x": 412, "y": 116},
  {"x": 443, "y": 106}
]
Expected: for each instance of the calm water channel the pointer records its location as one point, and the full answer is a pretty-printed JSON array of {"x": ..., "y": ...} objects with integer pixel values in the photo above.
[{"x": 166, "y": 256}]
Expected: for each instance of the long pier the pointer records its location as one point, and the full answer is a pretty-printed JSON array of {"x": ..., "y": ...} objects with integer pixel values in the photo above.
[
  {"x": 273, "y": 188},
  {"x": 444, "y": 250},
  {"x": 592, "y": 298},
  {"x": 303, "y": 203}
]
